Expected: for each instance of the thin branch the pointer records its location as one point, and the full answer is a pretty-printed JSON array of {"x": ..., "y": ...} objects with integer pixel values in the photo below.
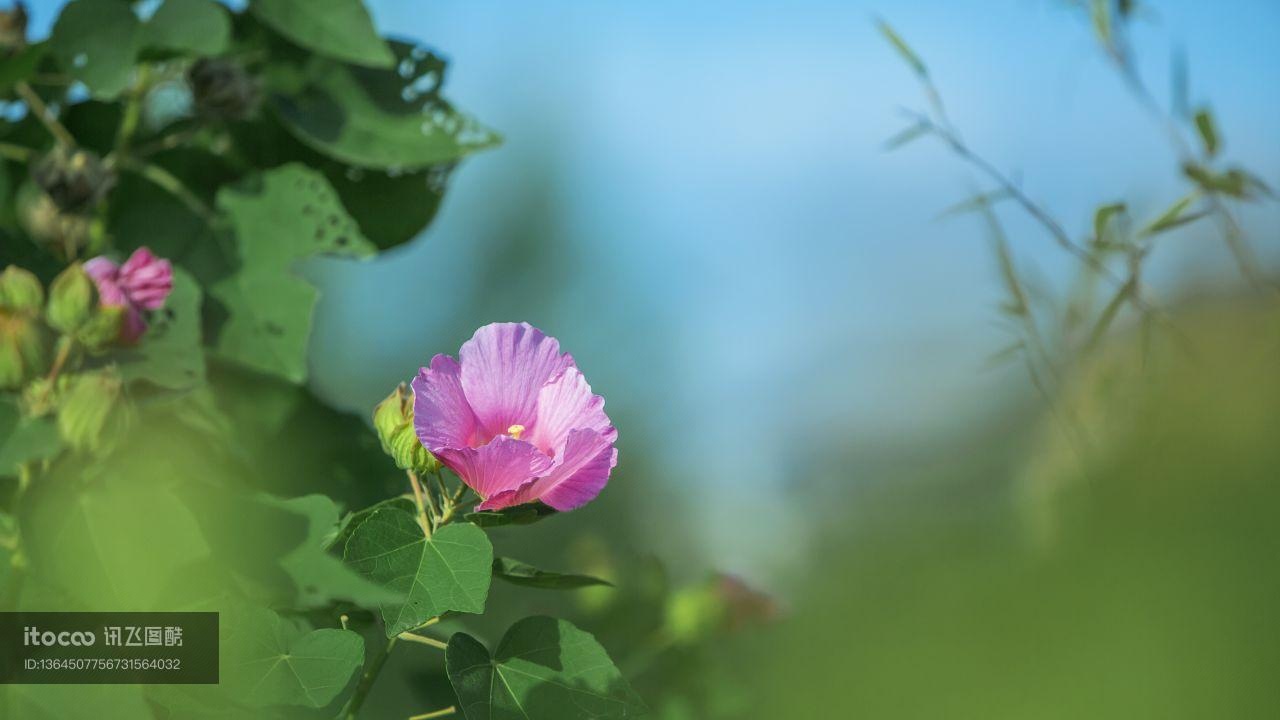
[
  {"x": 414, "y": 637},
  {"x": 44, "y": 114}
]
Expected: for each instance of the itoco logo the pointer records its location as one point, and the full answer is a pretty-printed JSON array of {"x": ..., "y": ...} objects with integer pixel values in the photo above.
[{"x": 33, "y": 636}]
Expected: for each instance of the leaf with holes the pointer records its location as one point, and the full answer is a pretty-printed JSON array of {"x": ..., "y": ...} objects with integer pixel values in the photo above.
[
  {"x": 276, "y": 661},
  {"x": 280, "y": 217},
  {"x": 450, "y": 572},
  {"x": 382, "y": 119},
  {"x": 543, "y": 669}
]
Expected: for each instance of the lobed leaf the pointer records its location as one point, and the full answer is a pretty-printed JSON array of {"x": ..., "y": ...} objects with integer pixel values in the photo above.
[{"x": 543, "y": 669}]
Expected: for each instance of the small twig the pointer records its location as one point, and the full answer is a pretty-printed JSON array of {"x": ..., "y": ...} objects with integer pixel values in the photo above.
[
  {"x": 436, "y": 714},
  {"x": 168, "y": 142},
  {"x": 132, "y": 114},
  {"x": 44, "y": 114}
]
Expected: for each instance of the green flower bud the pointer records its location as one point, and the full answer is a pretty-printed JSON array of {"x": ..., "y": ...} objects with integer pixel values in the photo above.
[
  {"x": 102, "y": 329},
  {"x": 65, "y": 234},
  {"x": 76, "y": 180},
  {"x": 73, "y": 298},
  {"x": 20, "y": 290},
  {"x": 92, "y": 412},
  {"x": 24, "y": 349},
  {"x": 393, "y": 420},
  {"x": 222, "y": 90}
]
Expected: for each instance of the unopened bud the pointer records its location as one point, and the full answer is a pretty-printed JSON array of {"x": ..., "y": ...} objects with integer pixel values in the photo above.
[
  {"x": 72, "y": 300},
  {"x": 20, "y": 290},
  {"x": 92, "y": 411},
  {"x": 75, "y": 179},
  {"x": 393, "y": 420},
  {"x": 222, "y": 90},
  {"x": 63, "y": 233},
  {"x": 24, "y": 348}
]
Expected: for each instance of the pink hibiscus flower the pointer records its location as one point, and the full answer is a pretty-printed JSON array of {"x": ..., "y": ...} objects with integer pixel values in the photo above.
[
  {"x": 141, "y": 283},
  {"x": 516, "y": 420}
]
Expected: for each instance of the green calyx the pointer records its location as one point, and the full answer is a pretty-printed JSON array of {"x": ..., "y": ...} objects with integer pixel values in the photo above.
[
  {"x": 72, "y": 299},
  {"x": 24, "y": 343},
  {"x": 393, "y": 421}
]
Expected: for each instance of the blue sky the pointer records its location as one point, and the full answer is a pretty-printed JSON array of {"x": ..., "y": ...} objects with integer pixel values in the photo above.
[{"x": 752, "y": 275}]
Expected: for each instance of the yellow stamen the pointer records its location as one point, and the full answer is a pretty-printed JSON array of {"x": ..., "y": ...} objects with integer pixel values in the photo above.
[{"x": 514, "y": 431}]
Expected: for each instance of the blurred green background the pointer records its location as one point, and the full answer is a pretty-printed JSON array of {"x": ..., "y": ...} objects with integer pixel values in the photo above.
[{"x": 696, "y": 201}]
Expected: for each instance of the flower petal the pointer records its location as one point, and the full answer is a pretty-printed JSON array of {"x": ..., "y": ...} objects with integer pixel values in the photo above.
[
  {"x": 564, "y": 404},
  {"x": 146, "y": 279},
  {"x": 503, "y": 465},
  {"x": 504, "y": 365},
  {"x": 133, "y": 326},
  {"x": 442, "y": 417},
  {"x": 106, "y": 275},
  {"x": 576, "y": 480}
]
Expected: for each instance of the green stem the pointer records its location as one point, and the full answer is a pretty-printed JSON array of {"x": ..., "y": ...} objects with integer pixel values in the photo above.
[
  {"x": 166, "y": 181},
  {"x": 15, "y": 152},
  {"x": 436, "y": 714},
  {"x": 132, "y": 114},
  {"x": 44, "y": 114},
  {"x": 370, "y": 676}
]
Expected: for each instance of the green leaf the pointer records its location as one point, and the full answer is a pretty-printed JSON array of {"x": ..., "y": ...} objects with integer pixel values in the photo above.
[
  {"x": 23, "y": 440},
  {"x": 908, "y": 135},
  {"x": 96, "y": 42},
  {"x": 543, "y": 669},
  {"x": 22, "y": 65},
  {"x": 1102, "y": 218},
  {"x": 340, "y": 29},
  {"x": 515, "y": 515},
  {"x": 1173, "y": 217},
  {"x": 518, "y": 573},
  {"x": 448, "y": 573},
  {"x": 355, "y": 519},
  {"x": 280, "y": 217},
  {"x": 319, "y": 577},
  {"x": 197, "y": 27},
  {"x": 382, "y": 119},
  {"x": 1208, "y": 131},
  {"x": 904, "y": 50},
  {"x": 170, "y": 354},
  {"x": 979, "y": 202},
  {"x": 283, "y": 662}
]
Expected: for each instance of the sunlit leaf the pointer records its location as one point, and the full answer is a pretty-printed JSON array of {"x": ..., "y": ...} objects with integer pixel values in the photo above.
[
  {"x": 450, "y": 572},
  {"x": 382, "y": 119},
  {"x": 23, "y": 440},
  {"x": 280, "y": 217}
]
